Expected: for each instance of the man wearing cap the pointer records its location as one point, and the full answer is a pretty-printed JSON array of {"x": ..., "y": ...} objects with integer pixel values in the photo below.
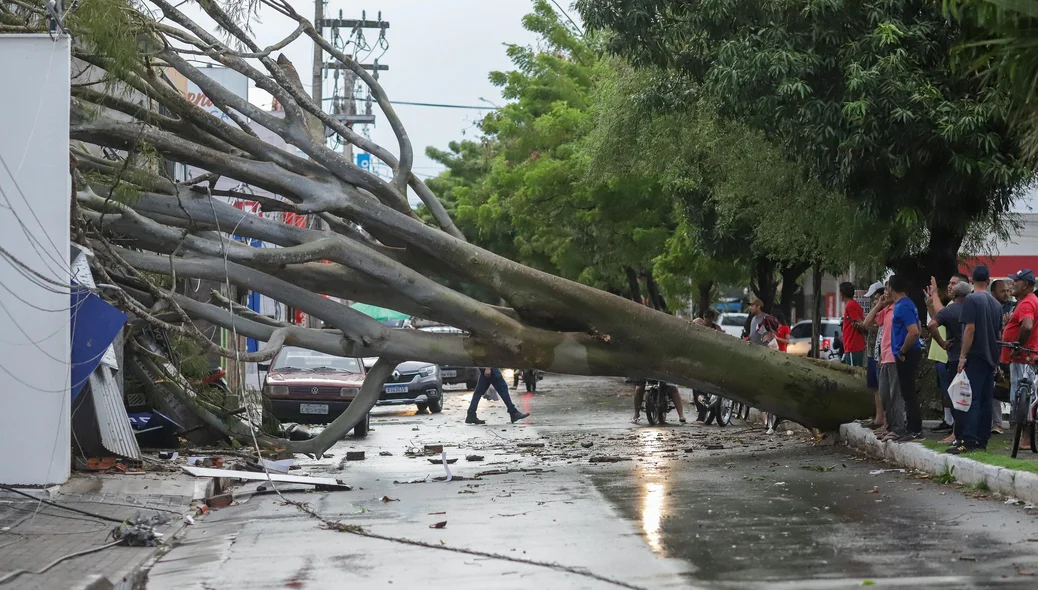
[
  {"x": 981, "y": 326},
  {"x": 946, "y": 333},
  {"x": 1020, "y": 329}
]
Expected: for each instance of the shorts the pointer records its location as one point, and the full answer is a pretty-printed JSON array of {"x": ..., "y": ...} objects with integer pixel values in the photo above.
[
  {"x": 872, "y": 374},
  {"x": 854, "y": 359}
]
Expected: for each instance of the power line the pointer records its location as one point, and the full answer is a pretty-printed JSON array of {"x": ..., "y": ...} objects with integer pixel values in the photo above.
[{"x": 440, "y": 105}]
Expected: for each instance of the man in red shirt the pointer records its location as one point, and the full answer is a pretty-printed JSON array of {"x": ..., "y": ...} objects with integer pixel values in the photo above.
[
  {"x": 1020, "y": 329},
  {"x": 851, "y": 332}
]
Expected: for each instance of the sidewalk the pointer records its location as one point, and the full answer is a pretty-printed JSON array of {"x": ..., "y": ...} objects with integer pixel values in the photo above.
[
  {"x": 1021, "y": 485},
  {"x": 33, "y": 534}
]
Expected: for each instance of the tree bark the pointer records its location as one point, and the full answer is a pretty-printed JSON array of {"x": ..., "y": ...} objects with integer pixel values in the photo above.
[
  {"x": 632, "y": 285},
  {"x": 791, "y": 273},
  {"x": 764, "y": 284},
  {"x": 816, "y": 321},
  {"x": 706, "y": 289},
  {"x": 658, "y": 302}
]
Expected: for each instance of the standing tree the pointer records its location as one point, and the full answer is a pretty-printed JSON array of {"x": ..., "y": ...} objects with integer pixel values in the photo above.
[
  {"x": 376, "y": 250},
  {"x": 862, "y": 94}
]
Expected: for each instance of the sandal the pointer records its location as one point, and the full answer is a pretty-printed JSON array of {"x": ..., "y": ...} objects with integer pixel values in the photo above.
[
  {"x": 682, "y": 420},
  {"x": 637, "y": 420}
]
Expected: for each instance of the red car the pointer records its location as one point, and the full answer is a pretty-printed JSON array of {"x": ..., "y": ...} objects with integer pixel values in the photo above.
[{"x": 311, "y": 387}]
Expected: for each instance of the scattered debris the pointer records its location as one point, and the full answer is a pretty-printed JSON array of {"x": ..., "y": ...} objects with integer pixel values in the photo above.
[
  {"x": 530, "y": 445},
  {"x": 433, "y": 449},
  {"x": 216, "y": 462},
  {"x": 690, "y": 450},
  {"x": 587, "y": 444},
  {"x": 473, "y": 457},
  {"x": 140, "y": 531},
  {"x": 385, "y": 454},
  {"x": 281, "y": 466},
  {"x": 388, "y": 499},
  {"x": 967, "y": 558},
  {"x": 320, "y": 482},
  {"x": 819, "y": 468},
  {"x": 354, "y": 455},
  {"x": 168, "y": 455},
  {"x": 298, "y": 432},
  {"x": 327, "y": 456},
  {"x": 873, "y": 491},
  {"x": 467, "y": 492},
  {"x": 882, "y": 471},
  {"x": 436, "y": 513},
  {"x": 714, "y": 447},
  {"x": 608, "y": 459},
  {"x": 439, "y": 525},
  {"x": 439, "y": 461}
]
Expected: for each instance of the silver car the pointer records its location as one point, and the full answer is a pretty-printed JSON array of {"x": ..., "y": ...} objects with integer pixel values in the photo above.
[{"x": 800, "y": 339}]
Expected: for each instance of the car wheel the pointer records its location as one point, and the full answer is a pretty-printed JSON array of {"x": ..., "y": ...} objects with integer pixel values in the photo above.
[
  {"x": 361, "y": 430},
  {"x": 421, "y": 408},
  {"x": 436, "y": 405}
]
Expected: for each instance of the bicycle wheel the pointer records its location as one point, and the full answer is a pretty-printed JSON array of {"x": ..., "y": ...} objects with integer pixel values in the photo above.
[
  {"x": 724, "y": 412},
  {"x": 651, "y": 405},
  {"x": 663, "y": 406}
]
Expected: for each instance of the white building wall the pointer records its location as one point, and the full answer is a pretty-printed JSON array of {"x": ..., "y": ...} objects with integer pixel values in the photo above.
[{"x": 34, "y": 230}]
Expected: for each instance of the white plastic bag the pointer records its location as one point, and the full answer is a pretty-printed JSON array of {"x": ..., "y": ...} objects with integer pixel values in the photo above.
[
  {"x": 960, "y": 392},
  {"x": 773, "y": 344}
]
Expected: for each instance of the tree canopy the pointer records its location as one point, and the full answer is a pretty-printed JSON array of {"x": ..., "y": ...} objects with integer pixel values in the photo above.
[{"x": 863, "y": 95}]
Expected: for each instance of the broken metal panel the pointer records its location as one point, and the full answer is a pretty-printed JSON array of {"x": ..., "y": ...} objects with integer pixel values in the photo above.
[{"x": 116, "y": 434}]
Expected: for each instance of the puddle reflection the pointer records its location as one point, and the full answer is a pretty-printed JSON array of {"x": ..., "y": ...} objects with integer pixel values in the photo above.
[{"x": 652, "y": 474}]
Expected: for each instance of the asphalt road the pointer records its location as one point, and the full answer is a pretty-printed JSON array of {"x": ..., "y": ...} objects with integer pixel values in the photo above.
[{"x": 761, "y": 512}]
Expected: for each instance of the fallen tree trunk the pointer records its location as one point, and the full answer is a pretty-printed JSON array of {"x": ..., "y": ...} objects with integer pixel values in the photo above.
[{"x": 375, "y": 249}]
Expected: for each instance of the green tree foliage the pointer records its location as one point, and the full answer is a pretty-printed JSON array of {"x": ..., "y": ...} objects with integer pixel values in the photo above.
[
  {"x": 862, "y": 94},
  {"x": 999, "y": 43}
]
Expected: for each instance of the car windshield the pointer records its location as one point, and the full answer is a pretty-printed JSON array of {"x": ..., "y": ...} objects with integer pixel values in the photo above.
[
  {"x": 734, "y": 319},
  {"x": 301, "y": 359}
]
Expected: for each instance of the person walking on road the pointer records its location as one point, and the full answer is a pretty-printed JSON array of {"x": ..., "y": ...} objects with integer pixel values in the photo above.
[
  {"x": 852, "y": 330},
  {"x": 487, "y": 377},
  {"x": 981, "y": 325},
  {"x": 1020, "y": 329}
]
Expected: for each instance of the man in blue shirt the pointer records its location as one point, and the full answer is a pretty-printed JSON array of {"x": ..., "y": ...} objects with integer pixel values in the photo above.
[
  {"x": 908, "y": 350},
  {"x": 981, "y": 327}
]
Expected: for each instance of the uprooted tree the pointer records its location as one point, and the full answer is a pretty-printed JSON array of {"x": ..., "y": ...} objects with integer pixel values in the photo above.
[{"x": 375, "y": 249}]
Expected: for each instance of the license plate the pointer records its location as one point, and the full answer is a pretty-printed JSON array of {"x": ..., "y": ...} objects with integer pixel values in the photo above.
[
  {"x": 396, "y": 389},
  {"x": 449, "y": 373},
  {"x": 313, "y": 408}
]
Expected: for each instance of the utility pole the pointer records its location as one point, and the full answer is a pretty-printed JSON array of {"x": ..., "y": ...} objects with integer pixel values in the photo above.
[{"x": 318, "y": 77}]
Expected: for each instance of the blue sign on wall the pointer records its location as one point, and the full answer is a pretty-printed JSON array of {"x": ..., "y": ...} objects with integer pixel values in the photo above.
[
  {"x": 95, "y": 324},
  {"x": 364, "y": 161}
]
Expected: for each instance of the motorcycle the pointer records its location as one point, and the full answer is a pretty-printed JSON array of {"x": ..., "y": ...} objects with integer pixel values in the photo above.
[{"x": 217, "y": 378}]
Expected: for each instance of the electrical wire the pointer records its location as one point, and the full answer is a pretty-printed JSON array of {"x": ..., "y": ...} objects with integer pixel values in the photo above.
[
  {"x": 440, "y": 105},
  {"x": 57, "y": 505},
  {"x": 47, "y": 567}
]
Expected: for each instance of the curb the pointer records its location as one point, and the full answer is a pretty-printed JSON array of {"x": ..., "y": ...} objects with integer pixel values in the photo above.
[{"x": 1021, "y": 485}]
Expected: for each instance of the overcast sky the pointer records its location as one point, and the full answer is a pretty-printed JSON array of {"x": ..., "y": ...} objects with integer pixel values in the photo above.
[{"x": 440, "y": 51}]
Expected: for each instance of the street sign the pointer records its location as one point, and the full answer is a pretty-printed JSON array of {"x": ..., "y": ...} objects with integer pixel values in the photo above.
[{"x": 364, "y": 161}]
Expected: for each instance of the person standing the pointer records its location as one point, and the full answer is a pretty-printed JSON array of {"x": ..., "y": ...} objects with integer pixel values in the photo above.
[
  {"x": 1020, "y": 329},
  {"x": 782, "y": 333},
  {"x": 908, "y": 351},
  {"x": 490, "y": 376},
  {"x": 946, "y": 330},
  {"x": 851, "y": 330},
  {"x": 872, "y": 351},
  {"x": 981, "y": 323},
  {"x": 757, "y": 316},
  {"x": 708, "y": 320},
  {"x": 882, "y": 314},
  {"x": 1001, "y": 290}
]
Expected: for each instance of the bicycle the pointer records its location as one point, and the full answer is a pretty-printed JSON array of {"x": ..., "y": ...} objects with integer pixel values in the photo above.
[
  {"x": 657, "y": 402},
  {"x": 1024, "y": 413}
]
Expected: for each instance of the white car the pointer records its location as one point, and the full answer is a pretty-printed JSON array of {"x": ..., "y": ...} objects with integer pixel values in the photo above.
[
  {"x": 800, "y": 339},
  {"x": 733, "y": 323}
]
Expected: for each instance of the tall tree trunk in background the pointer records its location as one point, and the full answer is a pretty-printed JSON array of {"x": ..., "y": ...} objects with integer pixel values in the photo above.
[
  {"x": 655, "y": 298},
  {"x": 816, "y": 322},
  {"x": 763, "y": 283},
  {"x": 791, "y": 273},
  {"x": 941, "y": 260},
  {"x": 706, "y": 289},
  {"x": 632, "y": 284}
]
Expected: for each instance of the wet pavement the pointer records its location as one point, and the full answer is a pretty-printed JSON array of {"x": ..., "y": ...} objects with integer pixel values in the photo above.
[{"x": 649, "y": 507}]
